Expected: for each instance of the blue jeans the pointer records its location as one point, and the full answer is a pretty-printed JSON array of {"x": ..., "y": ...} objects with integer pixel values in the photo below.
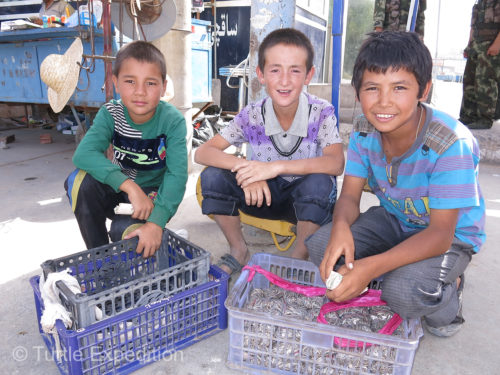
[{"x": 309, "y": 198}]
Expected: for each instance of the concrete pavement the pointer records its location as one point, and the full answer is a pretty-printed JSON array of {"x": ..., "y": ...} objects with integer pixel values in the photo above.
[{"x": 36, "y": 224}]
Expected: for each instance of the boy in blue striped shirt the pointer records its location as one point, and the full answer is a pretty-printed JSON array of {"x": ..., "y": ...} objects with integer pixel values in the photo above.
[{"x": 422, "y": 164}]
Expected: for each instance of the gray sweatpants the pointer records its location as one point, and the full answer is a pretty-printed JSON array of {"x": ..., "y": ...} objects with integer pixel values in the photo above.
[{"x": 423, "y": 289}]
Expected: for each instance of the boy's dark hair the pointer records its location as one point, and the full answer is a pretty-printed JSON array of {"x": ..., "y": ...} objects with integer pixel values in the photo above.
[
  {"x": 393, "y": 50},
  {"x": 287, "y": 36},
  {"x": 141, "y": 51}
]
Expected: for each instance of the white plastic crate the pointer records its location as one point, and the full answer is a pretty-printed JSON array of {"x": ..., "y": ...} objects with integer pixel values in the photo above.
[{"x": 262, "y": 343}]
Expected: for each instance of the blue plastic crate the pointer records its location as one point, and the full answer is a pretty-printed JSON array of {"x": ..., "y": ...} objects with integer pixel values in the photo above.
[
  {"x": 131, "y": 340},
  {"x": 114, "y": 278},
  {"x": 262, "y": 343}
]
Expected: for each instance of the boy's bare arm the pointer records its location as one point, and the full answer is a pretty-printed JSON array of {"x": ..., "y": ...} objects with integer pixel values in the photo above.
[
  {"x": 344, "y": 215},
  {"x": 331, "y": 163},
  {"x": 433, "y": 241},
  {"x": 211, "y": 153}
]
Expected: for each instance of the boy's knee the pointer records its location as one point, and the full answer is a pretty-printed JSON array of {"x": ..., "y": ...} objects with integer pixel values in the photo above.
[
  {"x": 397, "y": 301},
  {"x": 408, "y": 297},
  {"x": 86, "y": 184},
  {"x": 316, "y": 185},
  {"x": 70, "y": 180},
  {"x": 122, "y": 225},
  {"x": 210, "y": 177},
  {"x": 314, "y": 199},
  {"x": 218, "y": 191}
]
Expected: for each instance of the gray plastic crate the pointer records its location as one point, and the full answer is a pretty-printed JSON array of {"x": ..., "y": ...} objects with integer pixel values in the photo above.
[
  {"x": 115, "y": 279},
  {"x": 262, "y": 343}
]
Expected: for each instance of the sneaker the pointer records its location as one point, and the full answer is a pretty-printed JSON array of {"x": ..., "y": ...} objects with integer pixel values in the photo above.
[{"x": 457, "y": 323}]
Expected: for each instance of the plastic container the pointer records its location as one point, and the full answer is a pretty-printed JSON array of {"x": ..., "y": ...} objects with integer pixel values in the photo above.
[
  {"x": 259, "y": 342},
  {"x": 117, "y": 279},
  {"x": 84, "y": 13},
  {"x": 129, "y": 341}
]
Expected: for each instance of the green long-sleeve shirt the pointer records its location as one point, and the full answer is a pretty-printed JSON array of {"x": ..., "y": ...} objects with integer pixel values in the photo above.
[{"x": 152, "y": 154}]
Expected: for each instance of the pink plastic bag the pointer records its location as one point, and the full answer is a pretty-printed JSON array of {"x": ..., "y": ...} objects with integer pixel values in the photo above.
[
  {"x": 370, "y": 298},
  {"x": 309, "y": 291}
]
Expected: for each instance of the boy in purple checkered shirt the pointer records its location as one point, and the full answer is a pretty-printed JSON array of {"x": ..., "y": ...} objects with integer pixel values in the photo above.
[{"x": 295, "y": 152}]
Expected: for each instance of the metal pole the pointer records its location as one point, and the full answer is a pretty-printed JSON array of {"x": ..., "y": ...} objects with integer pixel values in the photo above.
[
  {"x": 337, "y": 30},
  {"x": 108, "y": 67},
  {"x": 437, "y": 33},
  {"x": 412, "y": 15},
  {"x": 176, "y": 46}
]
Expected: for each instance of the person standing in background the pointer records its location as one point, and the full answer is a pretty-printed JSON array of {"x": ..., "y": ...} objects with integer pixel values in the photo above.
[
  {"x": 482, "y": 70},
  {"x": 393, "y": 15},
  {"x": 58, "y": 8}
]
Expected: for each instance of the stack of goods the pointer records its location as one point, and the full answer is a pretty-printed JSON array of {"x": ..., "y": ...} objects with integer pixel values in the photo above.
[{"x": 280, "y": 302}]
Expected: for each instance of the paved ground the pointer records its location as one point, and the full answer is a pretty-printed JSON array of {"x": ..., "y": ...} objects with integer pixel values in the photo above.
[{"x": 37, "y": 224}]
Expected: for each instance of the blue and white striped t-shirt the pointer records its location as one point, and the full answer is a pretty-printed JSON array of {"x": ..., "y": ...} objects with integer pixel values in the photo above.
[{"x": 439, "y": 171}]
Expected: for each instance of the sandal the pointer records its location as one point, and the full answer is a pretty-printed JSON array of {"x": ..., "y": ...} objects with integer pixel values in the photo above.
[{"x": 230, "y": 262}]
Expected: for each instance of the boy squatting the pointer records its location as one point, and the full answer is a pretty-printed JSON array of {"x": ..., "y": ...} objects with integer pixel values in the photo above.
[
  {"x": 295, "y": 152},
  {"x": 149, "y": 160},
  {"x": 422, "y": 164}
]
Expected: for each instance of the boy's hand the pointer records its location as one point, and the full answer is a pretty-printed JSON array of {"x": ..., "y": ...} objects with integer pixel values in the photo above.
[
  {"x": 341, "y": 243},
  {"x": 252, "y": 171},
  {"x": 354, "y": 281},
  {"x": 256, "y": 193},
  {"x": 150, "y": 235},
  {"x": 142, "y": 204}
]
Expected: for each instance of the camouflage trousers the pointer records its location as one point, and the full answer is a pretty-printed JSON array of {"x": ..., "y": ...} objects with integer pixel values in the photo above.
[{"x": 480, "y": 85}]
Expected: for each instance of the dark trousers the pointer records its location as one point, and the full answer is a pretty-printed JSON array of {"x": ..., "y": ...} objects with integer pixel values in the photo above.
[
  {"x": 480, "y": 85},
  {"x": 309, "y": 198},
  {"x": 93, "y": 202},
  {"x": 427, "y": 288}
]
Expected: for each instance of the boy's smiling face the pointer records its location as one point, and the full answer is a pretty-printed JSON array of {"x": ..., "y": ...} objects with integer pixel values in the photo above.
[
  {"x": 140, "y": 85},
  {"x": 285, "y": 75},
  {"x": 389, "y": 100}
]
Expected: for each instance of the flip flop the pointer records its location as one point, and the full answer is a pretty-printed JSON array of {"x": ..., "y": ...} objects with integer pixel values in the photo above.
[{"x": 230, "y": 262}]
